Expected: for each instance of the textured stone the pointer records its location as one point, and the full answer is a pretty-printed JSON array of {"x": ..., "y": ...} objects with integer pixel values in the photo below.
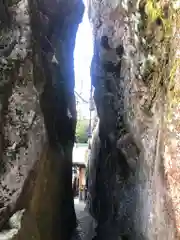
[
  {"x": 37, "y": 134},
  {"x": 22, "y": 129},
  {"x": 139, "y": 101}
]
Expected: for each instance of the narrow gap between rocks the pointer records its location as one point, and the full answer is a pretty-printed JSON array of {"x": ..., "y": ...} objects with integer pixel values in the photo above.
[
  {"x": 115, "y": 174},
  {"x": 83, "y": 53}
]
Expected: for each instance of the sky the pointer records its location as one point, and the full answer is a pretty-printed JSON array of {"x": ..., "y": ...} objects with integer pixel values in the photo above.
[{"x": 82, "y": 59}]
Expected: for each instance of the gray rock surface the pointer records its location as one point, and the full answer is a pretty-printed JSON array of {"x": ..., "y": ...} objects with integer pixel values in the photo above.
[
  {"x": 21, "y": 122},
  {"x": 13, "y": 227}
]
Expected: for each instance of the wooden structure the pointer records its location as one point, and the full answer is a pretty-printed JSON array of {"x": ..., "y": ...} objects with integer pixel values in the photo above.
[
  {"x": 80, "y": 162},
  {"x": 81, "y": 177}
]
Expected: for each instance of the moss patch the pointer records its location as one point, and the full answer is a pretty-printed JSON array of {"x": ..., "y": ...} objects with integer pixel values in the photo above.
[
  {"x": 173, "y": 88},
  {"x": 155, "y": 27}
]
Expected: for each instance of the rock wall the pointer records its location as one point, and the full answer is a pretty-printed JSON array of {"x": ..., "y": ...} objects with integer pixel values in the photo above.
[
  {"x": 22, "y": 127},
  {"x": 38, "y": 115},
  {"x": 135, "y": 72}
]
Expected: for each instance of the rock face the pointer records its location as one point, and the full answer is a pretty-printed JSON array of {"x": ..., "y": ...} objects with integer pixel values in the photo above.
[
  {"x": 37, "y": 84},
  {"x": 22, "y": 128},
  {"x": 135, "y": 72}
]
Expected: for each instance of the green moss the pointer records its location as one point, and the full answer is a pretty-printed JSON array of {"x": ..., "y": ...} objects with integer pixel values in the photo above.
[
  {"x": 152, "y": 11},
  {"x": 154, "y": 27},
  {"x": 173, "y": 92}
]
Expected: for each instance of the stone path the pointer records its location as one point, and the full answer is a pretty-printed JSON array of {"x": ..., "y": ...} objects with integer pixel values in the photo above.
[{"x": 86, "y": 224}]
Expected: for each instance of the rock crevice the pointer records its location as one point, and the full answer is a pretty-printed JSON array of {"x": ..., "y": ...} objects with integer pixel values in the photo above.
[{"x": 134, "y": 165}]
